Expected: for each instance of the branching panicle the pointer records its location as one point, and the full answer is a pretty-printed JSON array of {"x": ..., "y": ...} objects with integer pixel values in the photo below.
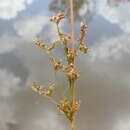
[{"x": 68, "y": 106}]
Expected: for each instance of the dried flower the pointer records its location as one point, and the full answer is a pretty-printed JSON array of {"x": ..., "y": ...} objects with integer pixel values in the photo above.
[
  {"x": 83, "y": 26},
  {"x": 41, "y": 91},
  {"x": 63, "y": 105},
  {"x": 71, "y": 55},
  {"x": 72, "y": 75},
  {"x": 83, "y": 32},
  {"x": 68, "y": 109},
  {"x": 40, "y": 44},
  {"x": 56, "y": 64},
  {"x": 56, "y": 19},
  {"x": 75, "y": 107},
  {"x": 45, "y": 47},
  {"x": 66, "y": 38},
  {"x": 83, "y": 48},
  {"x": 37, "y": 88},
  {"x": 48, "y": 92}
]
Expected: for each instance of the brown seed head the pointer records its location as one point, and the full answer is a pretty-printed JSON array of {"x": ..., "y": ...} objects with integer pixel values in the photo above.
[
  {"x": 71, "y": 55},
  {"x": 83, "y": 26},
  {"x": 75, "y": 107},
  {"x": 72, "y": 75},
  {"x": 56, "y": 64},
  {"x": 83, "y": 48},
  {"x": 37, "y": 88},
  {"x": 83, "y": 32},
  {"x": 56, "y": 19}
]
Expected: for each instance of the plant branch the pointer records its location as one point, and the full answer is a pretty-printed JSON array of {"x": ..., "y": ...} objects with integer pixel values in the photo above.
[{"x": 72, "y": 23}]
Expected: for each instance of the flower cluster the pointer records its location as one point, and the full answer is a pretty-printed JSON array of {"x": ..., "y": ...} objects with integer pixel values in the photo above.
[
  {"x": 82, "y": 47},
  {"x": 56, "y": 19},
  {"x": 40, "y": 89},
  {"x": 71, "y": 73},
  {"x": 67, "y": 109},
  {"x": 83, "y": 32},
  {"x": 45, "y": 47},
  {"x": 57, "y": 65},
  {"x": 70, "y": 56}
]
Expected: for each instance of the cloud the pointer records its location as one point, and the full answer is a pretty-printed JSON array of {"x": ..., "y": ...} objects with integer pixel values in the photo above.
[
  {"x": 50, "y": 122},
  {"x": 113, "y": 48},
  {"x": 8, "y": 43},
  {"x": 83, "y": 10},
  {"x": 116, "y": 14},
  {"x": 8, "y": 83},
  {"x": 6, "y": 115},
  {"x": 29, "y": 27},
  {"x": 122, "y": 124},
  {"x": 8, "y": 86},
  {"x": 10, "y": 8}
]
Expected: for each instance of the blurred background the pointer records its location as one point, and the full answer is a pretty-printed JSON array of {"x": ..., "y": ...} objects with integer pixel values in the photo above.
[{"x": 104, "y": 85}]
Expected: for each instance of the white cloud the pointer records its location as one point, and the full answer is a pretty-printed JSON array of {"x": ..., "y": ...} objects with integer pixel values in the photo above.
[
  {"x": 28, "y": 28},
  {"x": 83, "y": 10},
  {"x": 10, "y": 8},
  {"x": 111, "y": 48},
  {"x": 8, "y": 43},
  {"x": 8, "y": 83},
  {"x": 116, "y": 14},
  {"x": 8, "y": 86},
  {"x": 50, "y": 122},
  {"x": 122, "y": 124}
]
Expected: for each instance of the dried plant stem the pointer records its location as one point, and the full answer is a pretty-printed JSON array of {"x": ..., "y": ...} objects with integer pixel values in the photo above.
[
  {"x": 72, "y": 100},
  {"x": 72, "y": 125},
  {"x": 72, "y": 82},
  {"x": 72, "y": 22}
]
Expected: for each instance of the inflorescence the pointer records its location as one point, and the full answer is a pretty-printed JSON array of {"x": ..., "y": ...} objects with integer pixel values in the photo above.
[{"x": 64, "y": 105}]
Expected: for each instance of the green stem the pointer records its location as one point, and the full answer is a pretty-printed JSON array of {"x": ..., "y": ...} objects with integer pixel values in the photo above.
[
  {"x": 72, "y": 125},
  {"x": 72, "y": 102},
  {"x": 58, "y": 29},
  {"x": 72, "y": 92},
  {"x": 62, "y": 42}
]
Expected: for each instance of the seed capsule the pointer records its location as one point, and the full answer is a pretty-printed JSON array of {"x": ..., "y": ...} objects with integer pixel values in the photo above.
[
  {"x": 72, "y": 75},
  {"x": 70, "y": 56},
  {"x": 37, "y": 88},
  {"x": 75, "y": 107},
  {"x": 40, "y": 44},
  {"x": 83, "y": 48},
  {"x": 56, "y": 19},
  {"x": 56, "y": 64},
  {"x": 83, "y": 26}
]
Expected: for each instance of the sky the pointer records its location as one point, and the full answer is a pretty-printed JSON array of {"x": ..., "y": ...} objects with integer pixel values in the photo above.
[{"x": 104, "y": 84}]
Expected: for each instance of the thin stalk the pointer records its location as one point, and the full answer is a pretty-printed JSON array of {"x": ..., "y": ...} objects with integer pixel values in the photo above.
[
  {"x": 72, "y": 92},
  {"x": 58, "y": 30},
  {"x": 72, "y": 82},
  {"x": 72, "y": 101},
  {"x": 59, "y": 34},
  {"x": 72, "y": 125},
  {"x": 72, "y": 23}
]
